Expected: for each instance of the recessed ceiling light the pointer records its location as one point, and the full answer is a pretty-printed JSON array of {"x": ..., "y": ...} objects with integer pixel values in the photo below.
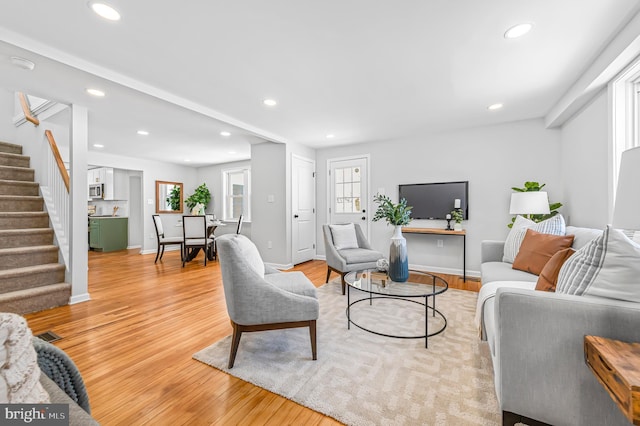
[
  {"x": 270, "y": 102},
  {"x": 95, "y": 92},
  {"x": 186, "y": 160},
  {"x": 23, "y": 63},
  {"x": 331, "y": 136},
  {"x": 518, "y": 30},
  {"x": 494, "y": 107},
  {"x": 143, "y": 132},
  {"x": 232, "y": 152},
  {"x": 223, "y": 133},
  {"x": 98, "y": 145},
  {"x": 105, "y": 11}
]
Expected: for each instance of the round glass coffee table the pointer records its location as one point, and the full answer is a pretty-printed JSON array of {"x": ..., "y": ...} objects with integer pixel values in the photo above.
[{"x": 420, "y": 285}]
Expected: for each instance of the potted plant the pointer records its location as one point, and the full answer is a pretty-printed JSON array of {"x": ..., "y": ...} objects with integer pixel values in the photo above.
[
  {"x": 200, "y": 196},
  {"x": 534, "y": 187},
  {"x": 397, "y": 215},
  {"x": 456, "y": 215}
]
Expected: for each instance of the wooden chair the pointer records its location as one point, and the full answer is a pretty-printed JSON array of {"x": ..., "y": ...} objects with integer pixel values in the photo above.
[
  {"x": 164, "y": 241},
  {"x": 194, "y": 229},
  {"x": 239, "y": 228}
]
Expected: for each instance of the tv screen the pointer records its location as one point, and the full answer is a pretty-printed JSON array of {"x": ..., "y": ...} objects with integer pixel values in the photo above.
[{"x": 435, "y": 200}]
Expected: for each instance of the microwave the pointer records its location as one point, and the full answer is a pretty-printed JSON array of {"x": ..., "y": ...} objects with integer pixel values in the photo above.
[{"x": 95, "y": 190}]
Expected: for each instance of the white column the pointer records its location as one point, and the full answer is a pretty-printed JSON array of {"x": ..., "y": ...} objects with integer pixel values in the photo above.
[{"x": 78, "y": 264}]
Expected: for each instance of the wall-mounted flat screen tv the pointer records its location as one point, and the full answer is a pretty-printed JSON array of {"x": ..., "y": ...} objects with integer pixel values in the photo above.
[{"x": 435, "y": 200}]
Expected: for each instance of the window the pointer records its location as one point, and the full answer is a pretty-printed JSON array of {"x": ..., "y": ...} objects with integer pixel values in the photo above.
[
  {"x": 347, "y": 189},
  {"x": 236, "y": 197}
]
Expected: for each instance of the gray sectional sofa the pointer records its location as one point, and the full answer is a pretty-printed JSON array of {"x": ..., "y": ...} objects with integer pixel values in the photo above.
[{"x": 536, "y": 343}]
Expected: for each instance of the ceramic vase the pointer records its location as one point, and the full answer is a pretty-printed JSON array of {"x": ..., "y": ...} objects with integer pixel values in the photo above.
[
  {"x": 457, "y": 226},
  {"x": 398, "y": 260}
]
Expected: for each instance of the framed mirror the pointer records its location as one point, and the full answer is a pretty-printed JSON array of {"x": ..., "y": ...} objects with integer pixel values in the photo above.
[{"x": 169, "y": 197}]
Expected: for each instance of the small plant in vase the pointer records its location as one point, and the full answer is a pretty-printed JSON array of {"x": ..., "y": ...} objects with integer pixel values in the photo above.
[
  {"x": 200, "y": 196},
  {"x": 397, "y": 215},
  {"x": 456, "y": 215}
]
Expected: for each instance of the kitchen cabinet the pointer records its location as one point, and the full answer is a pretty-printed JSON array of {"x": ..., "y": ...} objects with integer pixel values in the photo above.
[
  {"x": 114, "y": 182},
  {"x": 108, "y": 233}
]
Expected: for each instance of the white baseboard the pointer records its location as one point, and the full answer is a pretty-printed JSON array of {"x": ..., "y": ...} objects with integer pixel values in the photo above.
[
  {"x": 320, "y": 257},
  {"x": 440, "y": 270},
  {"x": 79, "y": 298},
  {"x": 280, "y": 266},
  {"x": 154, "y": 251}
]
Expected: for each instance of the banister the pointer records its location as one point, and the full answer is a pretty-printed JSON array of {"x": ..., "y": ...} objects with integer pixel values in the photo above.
[
  {"x": 58, "y": 157},
  {"x": 26, "y": 109}
]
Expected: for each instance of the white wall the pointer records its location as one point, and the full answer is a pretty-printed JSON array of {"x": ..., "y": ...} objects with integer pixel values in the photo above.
[
  {"x": 585, "y": 164},
  {"x": 492, "y": 159}
]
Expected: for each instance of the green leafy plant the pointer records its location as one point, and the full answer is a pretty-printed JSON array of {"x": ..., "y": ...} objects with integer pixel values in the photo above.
[
  {"x": 395, "y": 214},
  {"x": 456, "y": 215},
  {"x": 174, "y": 198},
  {"x": 200, "y": 195},
  {"x": 534, "y": 187}
]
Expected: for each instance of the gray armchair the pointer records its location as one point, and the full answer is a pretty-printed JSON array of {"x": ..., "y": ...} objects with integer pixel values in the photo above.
[
  {"x": 351, "y": 259},
  {"x": 260, "y": 298}
]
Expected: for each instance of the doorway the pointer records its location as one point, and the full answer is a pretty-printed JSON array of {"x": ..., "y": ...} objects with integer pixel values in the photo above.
[
  {"x": 349, "y": 191},
  {"x": 303, "y": 198}
]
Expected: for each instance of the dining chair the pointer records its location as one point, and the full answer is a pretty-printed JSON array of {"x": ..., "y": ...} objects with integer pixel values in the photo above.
[
  {"x": 194, "y": 229},
  {"x": 239, "y": 228},
  {"x": 164, "y": 241}
]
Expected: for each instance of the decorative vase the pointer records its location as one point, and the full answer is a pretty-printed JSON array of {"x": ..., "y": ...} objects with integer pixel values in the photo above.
[
  {"x": 398, "y": 260},
  {"x": 457, "y": 226}
]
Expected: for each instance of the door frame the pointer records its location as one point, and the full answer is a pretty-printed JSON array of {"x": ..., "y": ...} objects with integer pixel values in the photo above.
[
  {"x": 367, "y": 203},
  {"x": 315, "y": 209}
]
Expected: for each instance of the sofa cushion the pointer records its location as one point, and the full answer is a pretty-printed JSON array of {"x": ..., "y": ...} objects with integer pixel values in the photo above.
[
  {"x": 537, "y": 248},
  {"x": 548, "y": 278},
  {"x": 608, "y": 266},
  {"x": 554, "y": 225},
  {"x": 502, "y": 271},
  {"x": 293, "y": 282},
  {"x": 344, "y": 236},
  {"x": 582, "y": 235},
  {"x": 359, "y": 255}
]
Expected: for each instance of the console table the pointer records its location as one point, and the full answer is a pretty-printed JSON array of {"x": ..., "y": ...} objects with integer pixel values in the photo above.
[{"x": 438, "y": 231}]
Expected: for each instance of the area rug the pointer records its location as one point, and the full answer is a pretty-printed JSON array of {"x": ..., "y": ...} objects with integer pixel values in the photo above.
[{"x": 364, "y": 379}]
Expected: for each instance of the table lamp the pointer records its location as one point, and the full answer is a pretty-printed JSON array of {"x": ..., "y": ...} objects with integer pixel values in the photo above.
[
  {"x": 528, "y": 203},
  {"x": 626, "y": 211}
]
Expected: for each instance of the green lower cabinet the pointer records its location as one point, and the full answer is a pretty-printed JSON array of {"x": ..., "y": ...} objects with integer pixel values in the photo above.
[{"x": 108, "y": 233}]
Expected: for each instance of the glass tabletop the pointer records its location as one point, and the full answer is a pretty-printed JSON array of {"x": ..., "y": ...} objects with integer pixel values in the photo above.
[{"x": 419, "y": 284}]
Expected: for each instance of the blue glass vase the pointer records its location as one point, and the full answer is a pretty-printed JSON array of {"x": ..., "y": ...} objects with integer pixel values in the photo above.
[{"x": 398, "y": 260}]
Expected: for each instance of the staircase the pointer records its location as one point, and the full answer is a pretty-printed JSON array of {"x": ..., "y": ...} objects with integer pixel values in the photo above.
[{"x": 31, "y": 279}]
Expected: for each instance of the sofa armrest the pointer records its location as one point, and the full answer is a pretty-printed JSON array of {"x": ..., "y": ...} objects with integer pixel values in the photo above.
[
  {"x": 491, "y": 251},
  {"x": 540, "y": 367}
]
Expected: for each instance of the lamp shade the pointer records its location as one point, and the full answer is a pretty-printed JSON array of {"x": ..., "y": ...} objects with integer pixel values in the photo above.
[
  {"x": 626, "y": 212},
  {"x": 529, "y": 203}
]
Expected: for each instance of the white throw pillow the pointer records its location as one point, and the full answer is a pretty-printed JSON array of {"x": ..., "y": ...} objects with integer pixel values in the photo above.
[
  {"x": 344, "y": 236},
  {"x": 608, "y": 266},
  {"x": 554, "y": 225}
]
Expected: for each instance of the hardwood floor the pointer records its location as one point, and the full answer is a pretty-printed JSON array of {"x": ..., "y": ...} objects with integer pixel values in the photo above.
[{"x": 134, "y": 340}]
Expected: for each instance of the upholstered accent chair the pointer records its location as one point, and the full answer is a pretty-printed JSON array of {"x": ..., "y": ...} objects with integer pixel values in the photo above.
[
  {"x": 162, "y": 240},
  {"x": 262, "y": 298},
  {"x": 345, "y": 256}
]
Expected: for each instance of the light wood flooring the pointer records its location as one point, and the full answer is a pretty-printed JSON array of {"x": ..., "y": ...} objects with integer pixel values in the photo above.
[{"x": 134, "y": 340}]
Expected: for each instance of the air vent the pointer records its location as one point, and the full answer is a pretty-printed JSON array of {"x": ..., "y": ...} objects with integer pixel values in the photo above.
[{"x": 49, "y": 336}]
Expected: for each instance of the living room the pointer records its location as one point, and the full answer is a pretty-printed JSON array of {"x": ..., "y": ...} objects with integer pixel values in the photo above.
[{"x": 560, "y": 134}]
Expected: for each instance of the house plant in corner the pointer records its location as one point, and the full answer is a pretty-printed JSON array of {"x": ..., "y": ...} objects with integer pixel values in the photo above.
[
  {"x": 397, "y": 215},
  {"x": 200, "y": 196}
]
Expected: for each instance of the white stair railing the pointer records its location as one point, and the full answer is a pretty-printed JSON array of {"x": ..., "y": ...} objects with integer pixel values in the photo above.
[{"x": 54, "y": 186}]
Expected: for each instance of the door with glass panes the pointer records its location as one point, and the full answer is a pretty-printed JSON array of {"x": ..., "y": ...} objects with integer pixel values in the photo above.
[{"x": 348, "y": 192}]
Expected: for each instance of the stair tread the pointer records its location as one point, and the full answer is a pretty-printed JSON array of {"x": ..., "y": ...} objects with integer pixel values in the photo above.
[
  {"x": 12, "y": 155},
  {"x": 18, "y": 182},
  {"x": 16, "y": 168},
  {"x": 25, "y": 231},
  {"x": 20, "y": 197},
  {"x": 48, "y": 288},
  {"x": 21, "y": 214},
  {"x": 24, "y": 270},
  {"x": 29, "y": 249}
]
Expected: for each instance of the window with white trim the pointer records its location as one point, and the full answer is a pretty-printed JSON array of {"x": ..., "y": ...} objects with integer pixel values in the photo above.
[{"x": 236, "y": 194}]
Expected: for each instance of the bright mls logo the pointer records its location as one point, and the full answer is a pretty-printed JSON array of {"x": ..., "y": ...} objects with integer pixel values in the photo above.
[{"x": 34, "y": 414}]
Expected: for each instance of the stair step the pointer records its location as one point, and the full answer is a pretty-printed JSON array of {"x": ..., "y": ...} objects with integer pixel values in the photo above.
[
  {"x": 19, "y": 187},
  {"x": 10, "y": 148},
  {"x": 20, "y": 203},
  {"x": 15, "y": 160},
  {"x": 17, "y": 173},
  {"x": 25, "y": 237},
  {"x": 20, "y": 257},
  {"x": 36, "y": 299},
  {"x": 31, "y": 276},
  {"x": 23, "y": 220}
]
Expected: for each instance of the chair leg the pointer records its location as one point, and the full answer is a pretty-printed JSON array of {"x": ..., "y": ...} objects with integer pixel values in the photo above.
[
  {"x": 312, "y": 334},
  {"x": 157, "y": 253},
  {"x": 204, "y": 250},
  {"x": 235, "y": 342},
  {"x": 184, "y": 256},
  {"x": 328, "y": 274},
  {"x": 162, "y": 252},
  {"x": 343, "y": 283}
]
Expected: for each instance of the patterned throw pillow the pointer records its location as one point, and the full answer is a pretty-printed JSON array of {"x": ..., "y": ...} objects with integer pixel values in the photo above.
[
  {"x": 608, "y": 266},
  {"x": 554, "y": 225}
]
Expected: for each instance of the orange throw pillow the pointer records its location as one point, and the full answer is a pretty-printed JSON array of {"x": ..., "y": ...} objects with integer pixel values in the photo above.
[
  {"x": 549, "y": 276},
  {"x": 537, "y": 249}
]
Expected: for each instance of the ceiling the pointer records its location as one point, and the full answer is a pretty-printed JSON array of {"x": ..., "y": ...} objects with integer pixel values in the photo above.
[{"x": 360, "y": 70}]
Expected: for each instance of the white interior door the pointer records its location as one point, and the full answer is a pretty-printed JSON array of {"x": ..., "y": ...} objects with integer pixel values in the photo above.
[
  {"x": 303, "y": 206},
  {"x": 349, "y": 192}
]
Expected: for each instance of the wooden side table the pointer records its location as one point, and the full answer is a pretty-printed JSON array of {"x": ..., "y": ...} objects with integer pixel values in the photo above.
[{"x": 616, "y": 365}]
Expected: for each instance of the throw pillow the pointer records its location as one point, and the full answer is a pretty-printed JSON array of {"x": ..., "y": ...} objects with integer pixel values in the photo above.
[
  {"x": 548, "y": 278},
  {"x": 608, "y": 266},
  {"x": 344, "y": 236},
  {"x": 536, "y": 250},
  {"x": 554, "y": 225}
]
